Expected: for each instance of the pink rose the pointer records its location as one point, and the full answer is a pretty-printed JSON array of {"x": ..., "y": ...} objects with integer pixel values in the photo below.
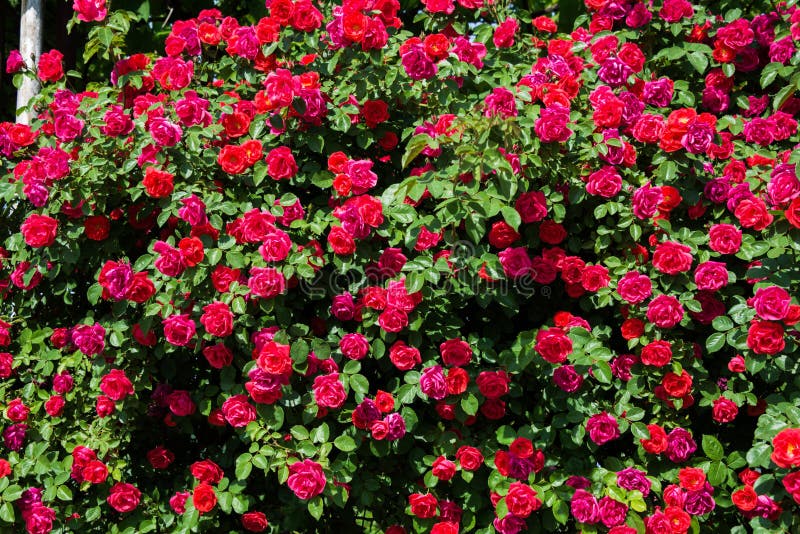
[
  {"x": 306, "y": 479},
  {"x": 90, "y": 340},
  {"x": 266, "y": 282},
  {"x": 711, "y": 276},
  {"x": 515, "y": 262},
  {"x": 432, "y": 382},
  {"x": 612, "y": 512},
  {"x": 665, "y": 311},
  {"x": 584, "y": 507},
  {"x": 179, "y": 329},
  {"x": 281, "y": 164},
  {"x": 329, "y": 391},
  {"x": 238, "y": 412},
  {"x": 771, "y": 303},
  {"x": 634, "y": 287},
  {"x": 90, "y": 10},
  {"x": 602, "y": 428},
  {"x": 605, "y": 183},
  {"x": 276, "y": 246},
  {"x": 725, "y": 238}
]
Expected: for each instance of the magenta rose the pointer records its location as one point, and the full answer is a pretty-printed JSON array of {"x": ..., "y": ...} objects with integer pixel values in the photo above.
[
  {"x": 306, "y": 479},
  {"x": 665, "y": 311},
  {"x": 329, "y": 391},
  {"x": 602, "y": 428},
  {"x": 584, "y": 507},
  {"x": 179, "y": 329}
]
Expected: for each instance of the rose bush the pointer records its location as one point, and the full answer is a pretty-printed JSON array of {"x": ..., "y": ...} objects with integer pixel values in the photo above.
[{"x": 319, "y": 270}]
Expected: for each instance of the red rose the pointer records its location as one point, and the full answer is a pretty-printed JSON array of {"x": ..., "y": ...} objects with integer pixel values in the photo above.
[
  {"x": 493, "y": 409},
  {"x": 443, "y": 469},
  {"x": 672, "y": 258},
  {"x": 504, "y": 33},
  {"x": 281, "y": 164},
  {"x": 104, "y": 406},
  {"x": 116, "y": 385},
  {"x": 403, "y": 356},
  {"x": 531, "y": 206},
  {"x": 223, "y": 277},
  {"x": 95, "y": 472},
  {"x": 552, "y": 232},
  {"x": 207, "y": 472},
  {"x": 192, "y": 250},
  {"x": 786, "y": 448},
  {"x": 502, "y": 235},
  {"x": 521, "y": 500},
  {"x": 124, "y": 497},
  {"x": 236, "y": 124},
  {"x": 455, "y": 352},
  {"x": 456, "y": 380},
  {"x": 218, "y": 356},
  {"x": 657, "y": 442},
  {"x": 160, "y": 457},
  {"x": 39, "y": 230},
  {"x": 17, "y": 411},
  {"x": 141, "y": 288},
  {"x": 238, "y": 412},
  {"x": 470, "y": 458},
  {"x": 181, "y": 403},
  {"x": 274, "y": 358},
  {"x": 745, "y": 499},
  {"x": 384, "y": 401},
  {"x": 632, "y": 328},
  {"x": 217, "y": 319},
  {"x": 765, "y": 337},
  {"x": 724, "y": 410},
  {"x": 254, "y": 522},
  {"x": 233, "y": 159},
  {"x": 157, "y": 183},
  {"x": 493, "y": 384},
  {"x": 677, "y": 386},
  {"x": 204, "y": 498},
  {"x": 423, "y": 506},
  {"x": 97, "y": 227},
  {"x": 341, "y": 242},
  {"x": 658, "y": 353},
  {"x": 54, "y": 406},
  {"x": 375, "y": 112},
  {"x": 5, "y": 468},
  {"x": 337, "y": 161},
  {"x": 49, "y": 68},
  {"x": 553, "y": 345}
]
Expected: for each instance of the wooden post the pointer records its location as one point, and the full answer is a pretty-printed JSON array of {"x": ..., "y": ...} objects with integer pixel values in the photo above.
[{"x": 30, "y": 46}]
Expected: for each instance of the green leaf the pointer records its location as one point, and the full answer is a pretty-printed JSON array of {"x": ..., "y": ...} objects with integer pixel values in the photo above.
[
  {"x": 715, "y": 342},
  {"x": 243, "y": 466},
  {"x": 511, "y": 217},
  {"x": 602, "y": 372},
  {"x": 345, "y": 443},
  {"x": 470, "y": 404},
  {"x": 698, "y": 60},
  {"x": 7, "y": 512},
  {"x": 713, "y": 448},
  {"x": 717, "y": 473},
  {"x": 561, "y": 511},
  {"x": 759, "y": 455},
  {"x": 359, "y": 384},
  {"x": 315, "y": 507},
  {"x": 299, "y": 351},
  {"x": 722, "y": 323}
]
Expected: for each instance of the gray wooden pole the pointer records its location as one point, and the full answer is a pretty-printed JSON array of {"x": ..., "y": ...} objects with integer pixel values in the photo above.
[{"x": 30, "y": 46}]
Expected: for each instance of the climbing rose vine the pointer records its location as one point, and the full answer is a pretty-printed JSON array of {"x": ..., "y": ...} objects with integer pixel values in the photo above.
[{"x": 321, "y": 270}]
